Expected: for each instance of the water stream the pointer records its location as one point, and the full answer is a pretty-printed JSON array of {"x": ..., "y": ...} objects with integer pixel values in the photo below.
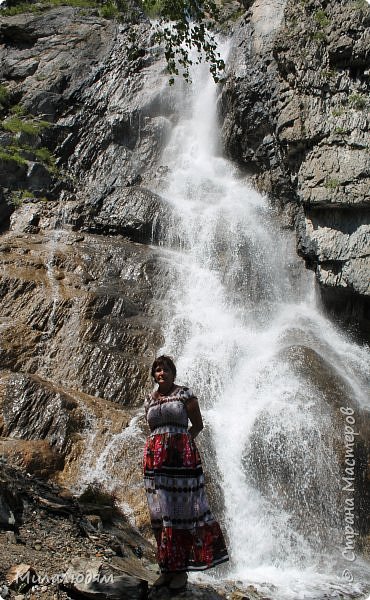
[
  {"x": 244, "y": 327},
  {"x": 114, "y": 461}
]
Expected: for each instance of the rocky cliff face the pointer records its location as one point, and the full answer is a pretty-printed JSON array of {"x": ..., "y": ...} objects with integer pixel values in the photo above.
[
  {"x": 76, "y": 74},
  {"x": 296, "y": 116},
  {"x": 80, "y": 296},
  {"x": 80, "y": 287}
]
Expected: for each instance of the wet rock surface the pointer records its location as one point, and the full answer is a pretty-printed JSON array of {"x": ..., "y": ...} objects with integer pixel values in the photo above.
[
  {"x": 83, "y": 302},
  {"x": 296, "y": 116},
  {"x": 134, "y": 212},
  {"x": 79, "y": 304}
]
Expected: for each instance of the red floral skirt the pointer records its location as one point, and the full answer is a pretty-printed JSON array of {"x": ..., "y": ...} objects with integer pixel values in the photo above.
[{"x": 188, "y": 537}]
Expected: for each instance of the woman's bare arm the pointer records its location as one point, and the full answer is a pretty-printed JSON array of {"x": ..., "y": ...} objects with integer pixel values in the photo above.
[{"x": 194, "y": 414}]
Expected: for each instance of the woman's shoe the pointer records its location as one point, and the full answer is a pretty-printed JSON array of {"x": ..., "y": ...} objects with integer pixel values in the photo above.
[
  {"x": 163, "y": 579},
  {"x": 178, "y": 581}
]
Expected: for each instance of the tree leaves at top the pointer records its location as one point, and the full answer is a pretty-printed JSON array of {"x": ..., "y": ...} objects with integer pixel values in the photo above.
[{"x": 181, "y": 27}]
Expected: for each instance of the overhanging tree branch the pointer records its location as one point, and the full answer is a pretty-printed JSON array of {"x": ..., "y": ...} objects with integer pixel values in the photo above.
[{"x": 181, "y": 27}]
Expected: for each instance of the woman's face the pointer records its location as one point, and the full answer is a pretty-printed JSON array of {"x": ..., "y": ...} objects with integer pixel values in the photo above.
[{"x": 163, "y": 375}]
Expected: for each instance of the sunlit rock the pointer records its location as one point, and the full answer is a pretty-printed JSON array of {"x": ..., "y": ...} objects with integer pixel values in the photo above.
[
  {"x": 32, "y": 456},
  {"x": 295, "y": 116}
]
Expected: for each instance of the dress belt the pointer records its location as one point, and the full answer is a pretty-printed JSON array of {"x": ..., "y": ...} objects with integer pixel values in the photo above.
[{"x": 170, "y": 425}]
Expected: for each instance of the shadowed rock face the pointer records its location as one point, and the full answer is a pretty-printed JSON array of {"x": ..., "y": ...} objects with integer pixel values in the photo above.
[
  {"x": 295, "y": 115},
  {"x": 40, "y": 412}
]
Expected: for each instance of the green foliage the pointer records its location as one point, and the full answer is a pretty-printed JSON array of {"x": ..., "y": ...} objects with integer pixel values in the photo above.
[
  {"x": 332, "y": 183},
  {"x": 153, "y": 9},
  {"x": 12, "y": 154},
  {"x": 337, "y": 112},
  {"x": 321, "y": 18},
  {"x": 22, "y": 153},
  {"x": 17, "y": 124},
  {"x": 317, "y": 36},
  {"x": 74, "y": 3},
  {"x": 357, "y": 101},
  {"x": 15, "y": 199},
  {"x": 19, "y": 151},
  {"x": 18, "y": 110},
  {"x": 340, "y": 130},
  {"x": 19, "y": 196},
  {"x": 181, "y": 27},
  {"x": 24, "y": 7},
  {"x": 328, "y": 74},
  {"x": 4, "y": 96},
  {"x": 109, "y": 11},
  {"x": 44, "y": 155}
]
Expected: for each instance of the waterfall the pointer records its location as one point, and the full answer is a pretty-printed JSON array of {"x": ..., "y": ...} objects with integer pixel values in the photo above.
[
  {"x": 114, "y": 460},
  {"x": 242, "y": 322}
]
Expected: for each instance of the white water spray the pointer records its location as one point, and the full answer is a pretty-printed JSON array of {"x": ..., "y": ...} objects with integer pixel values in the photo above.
[
  {"x": 247, "y": 336},
  {"x": 100, "y": 467}
]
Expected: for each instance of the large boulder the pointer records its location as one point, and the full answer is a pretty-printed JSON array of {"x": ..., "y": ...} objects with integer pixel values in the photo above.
[{"x": 134, "y": 212}]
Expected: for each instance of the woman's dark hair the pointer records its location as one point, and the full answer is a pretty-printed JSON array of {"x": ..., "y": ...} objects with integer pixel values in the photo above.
[{"x": 164, "y": 361}]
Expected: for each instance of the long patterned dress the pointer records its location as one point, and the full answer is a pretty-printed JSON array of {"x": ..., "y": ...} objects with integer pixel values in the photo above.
[{"x": 188, "y": 537}]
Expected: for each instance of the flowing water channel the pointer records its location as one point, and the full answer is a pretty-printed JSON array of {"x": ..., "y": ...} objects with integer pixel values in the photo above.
[{"x": 270, "y": 371}]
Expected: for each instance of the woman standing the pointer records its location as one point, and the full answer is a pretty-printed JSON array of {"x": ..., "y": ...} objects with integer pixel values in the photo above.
[{"x": 188, "y": 537}]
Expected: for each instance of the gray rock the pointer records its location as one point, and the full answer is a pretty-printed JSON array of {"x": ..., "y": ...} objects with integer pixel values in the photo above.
[
  {"x": 4, "y": 590},
  {"x": 94, "y": 579},
  {"x": 39, "y": 178},
  {"x": 335, "y": 176},
  {"x": 10, "y": 539},
  {"x": 12, "y": 173},
  {"x": 134, "y": 212},
  {"x": 25, "y": 218},
  {"x": 21, "y": 576},
  {"x": 52, "y": 414},
  {"x": 295, "y": 115}
]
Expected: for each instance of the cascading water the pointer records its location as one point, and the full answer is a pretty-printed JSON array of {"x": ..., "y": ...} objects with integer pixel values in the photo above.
[
  {"x": 244, "y": 328},
  {"x": 114, "y": 461},
  {"x": 58, "y": 303}
]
